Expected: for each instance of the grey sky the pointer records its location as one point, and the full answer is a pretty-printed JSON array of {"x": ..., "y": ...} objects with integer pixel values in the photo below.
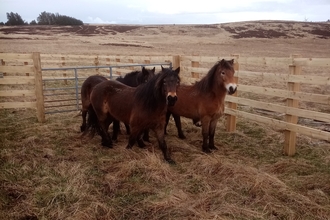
[{"x": 171, "y": 11}]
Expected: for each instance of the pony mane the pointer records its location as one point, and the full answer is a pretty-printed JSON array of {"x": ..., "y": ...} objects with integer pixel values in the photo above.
[
  {"x": 129, "y": 79},
  {"x": 205, "y": 84},
  {"x": 151, "y": 94}
]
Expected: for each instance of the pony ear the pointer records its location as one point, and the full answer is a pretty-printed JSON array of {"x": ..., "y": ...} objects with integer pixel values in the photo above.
[
  {"x": 231, "y": 62},
  {"x": 162, "y": 67},
  {"x": 153, "y": 70},
  {"x": 177, "y": 70},
  {"x": 144, "y": 71}
]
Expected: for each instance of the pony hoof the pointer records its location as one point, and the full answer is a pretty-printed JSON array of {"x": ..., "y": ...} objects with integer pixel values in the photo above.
[
  {"x": 82, "y": 129},
  {"x": 146, "y": 140},
  {"x": 197, "y": 123},
  {"x": 213, "y": 148},
  {"x": 170, "y": 161},
  {"x": 128, "y": 147},
  {"x": 181, "y": 136},
  {"x": 207, "y": 150},
  {"x": 141, "y": 144},
  {"x": 109, "y": 145}
]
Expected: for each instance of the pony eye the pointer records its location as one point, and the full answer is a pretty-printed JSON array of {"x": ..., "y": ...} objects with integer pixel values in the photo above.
[{"x": 223, "y": 73}]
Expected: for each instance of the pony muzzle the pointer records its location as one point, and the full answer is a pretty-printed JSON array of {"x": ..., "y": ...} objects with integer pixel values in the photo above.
[
  {"x": 231, "y": 88},
  {"x": 171, "y": 99}
]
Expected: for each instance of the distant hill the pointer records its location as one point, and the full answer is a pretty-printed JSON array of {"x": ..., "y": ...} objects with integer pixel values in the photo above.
[{"x": 236, "y": 30}]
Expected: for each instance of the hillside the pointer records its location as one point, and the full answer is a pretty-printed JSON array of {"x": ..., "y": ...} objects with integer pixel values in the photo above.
[{"x": 245, "y": 38}]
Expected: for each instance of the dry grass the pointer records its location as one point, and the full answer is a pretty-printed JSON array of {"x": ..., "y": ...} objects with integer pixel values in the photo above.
[{"x": 49, "y": 172}]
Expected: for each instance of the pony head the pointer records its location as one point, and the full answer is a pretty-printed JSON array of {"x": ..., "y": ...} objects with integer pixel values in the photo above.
[
  {"x": 170, "y": 82},
  {"x": 227, "y": 72}
]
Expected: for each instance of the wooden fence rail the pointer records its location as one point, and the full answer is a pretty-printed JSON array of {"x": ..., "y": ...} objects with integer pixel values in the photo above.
[{"x": 279, "y": 90}]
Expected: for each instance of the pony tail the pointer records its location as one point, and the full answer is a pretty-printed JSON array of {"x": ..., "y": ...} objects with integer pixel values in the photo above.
[{"x": 92, "y": 125}]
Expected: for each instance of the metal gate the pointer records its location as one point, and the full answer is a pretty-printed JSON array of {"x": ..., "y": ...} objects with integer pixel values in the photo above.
[{"x": 62, "y": 94}]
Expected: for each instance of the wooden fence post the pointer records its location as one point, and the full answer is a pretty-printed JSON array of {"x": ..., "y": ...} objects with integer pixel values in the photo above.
[
  {"x": 195, "y": 74},
  {"x": 131, "y": 62},
  {"x": 176, "y": 62},
  {"x": 96, "y": 63},
  {"x": 291, "y": 136},
  {"x": 108, "y": 63},
  {"x": 3, "y": 63},
  {"x": 38, "y": 87},
  {"x": 26, "y": 63},
  {"x": 147, "y": 61},
  {"x": 118, "y": 63},
  {"x": 231, "y": 119},
  {"x": 64, "y": 71}
]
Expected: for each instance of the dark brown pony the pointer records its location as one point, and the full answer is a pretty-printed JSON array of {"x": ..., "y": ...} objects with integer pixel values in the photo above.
[
  {"x": 131, "y": 79},
  {"x": 143, "y": 107},
  {"x": 204, "y": 101},
  {"x": 86, "y": 90}
]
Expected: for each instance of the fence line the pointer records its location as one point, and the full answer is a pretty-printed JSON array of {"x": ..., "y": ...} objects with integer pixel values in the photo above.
[{"x": 288, "y": 98}]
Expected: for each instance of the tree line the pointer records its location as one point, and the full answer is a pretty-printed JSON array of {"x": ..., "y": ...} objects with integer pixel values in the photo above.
[{"x": 44, "y": 18}]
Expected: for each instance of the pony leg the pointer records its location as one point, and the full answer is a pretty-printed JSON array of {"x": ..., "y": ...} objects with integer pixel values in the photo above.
[
  {"x": 205, "y": 134},
  {"x": 132, "y": 138},
  {"x": 141, "y": 144},
  {"x": 146, "y": 135},
  {"x": 128, "y": 130},
  {"x": 163, "y": 146},
  {"x": 116, "y": 129},
  {"x": 213, "y": 125},
  {"x": 136, "y": 135},
  {"x": 197, "y": 122},
  {"x": 83, "y": 115},
  {"x": 177, "y": 120},
  {"x": 168, "y": 115},
  {"x": 106, "y": 139}
]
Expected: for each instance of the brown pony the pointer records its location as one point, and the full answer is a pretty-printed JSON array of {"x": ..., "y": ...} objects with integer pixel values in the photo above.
[
  {"x": 133, "y": 79},
  {"x": 143, "y": 107},
  {"x": 204, "y": 101}
]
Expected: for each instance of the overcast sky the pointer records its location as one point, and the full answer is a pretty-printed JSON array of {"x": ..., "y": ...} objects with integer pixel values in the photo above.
[{"x": 170, "y": 11}]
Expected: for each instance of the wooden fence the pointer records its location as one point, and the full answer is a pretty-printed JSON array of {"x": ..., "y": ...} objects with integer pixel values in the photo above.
[
  {"x": 21, "y": 79},
  {"x": 290, "y": 93}
]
